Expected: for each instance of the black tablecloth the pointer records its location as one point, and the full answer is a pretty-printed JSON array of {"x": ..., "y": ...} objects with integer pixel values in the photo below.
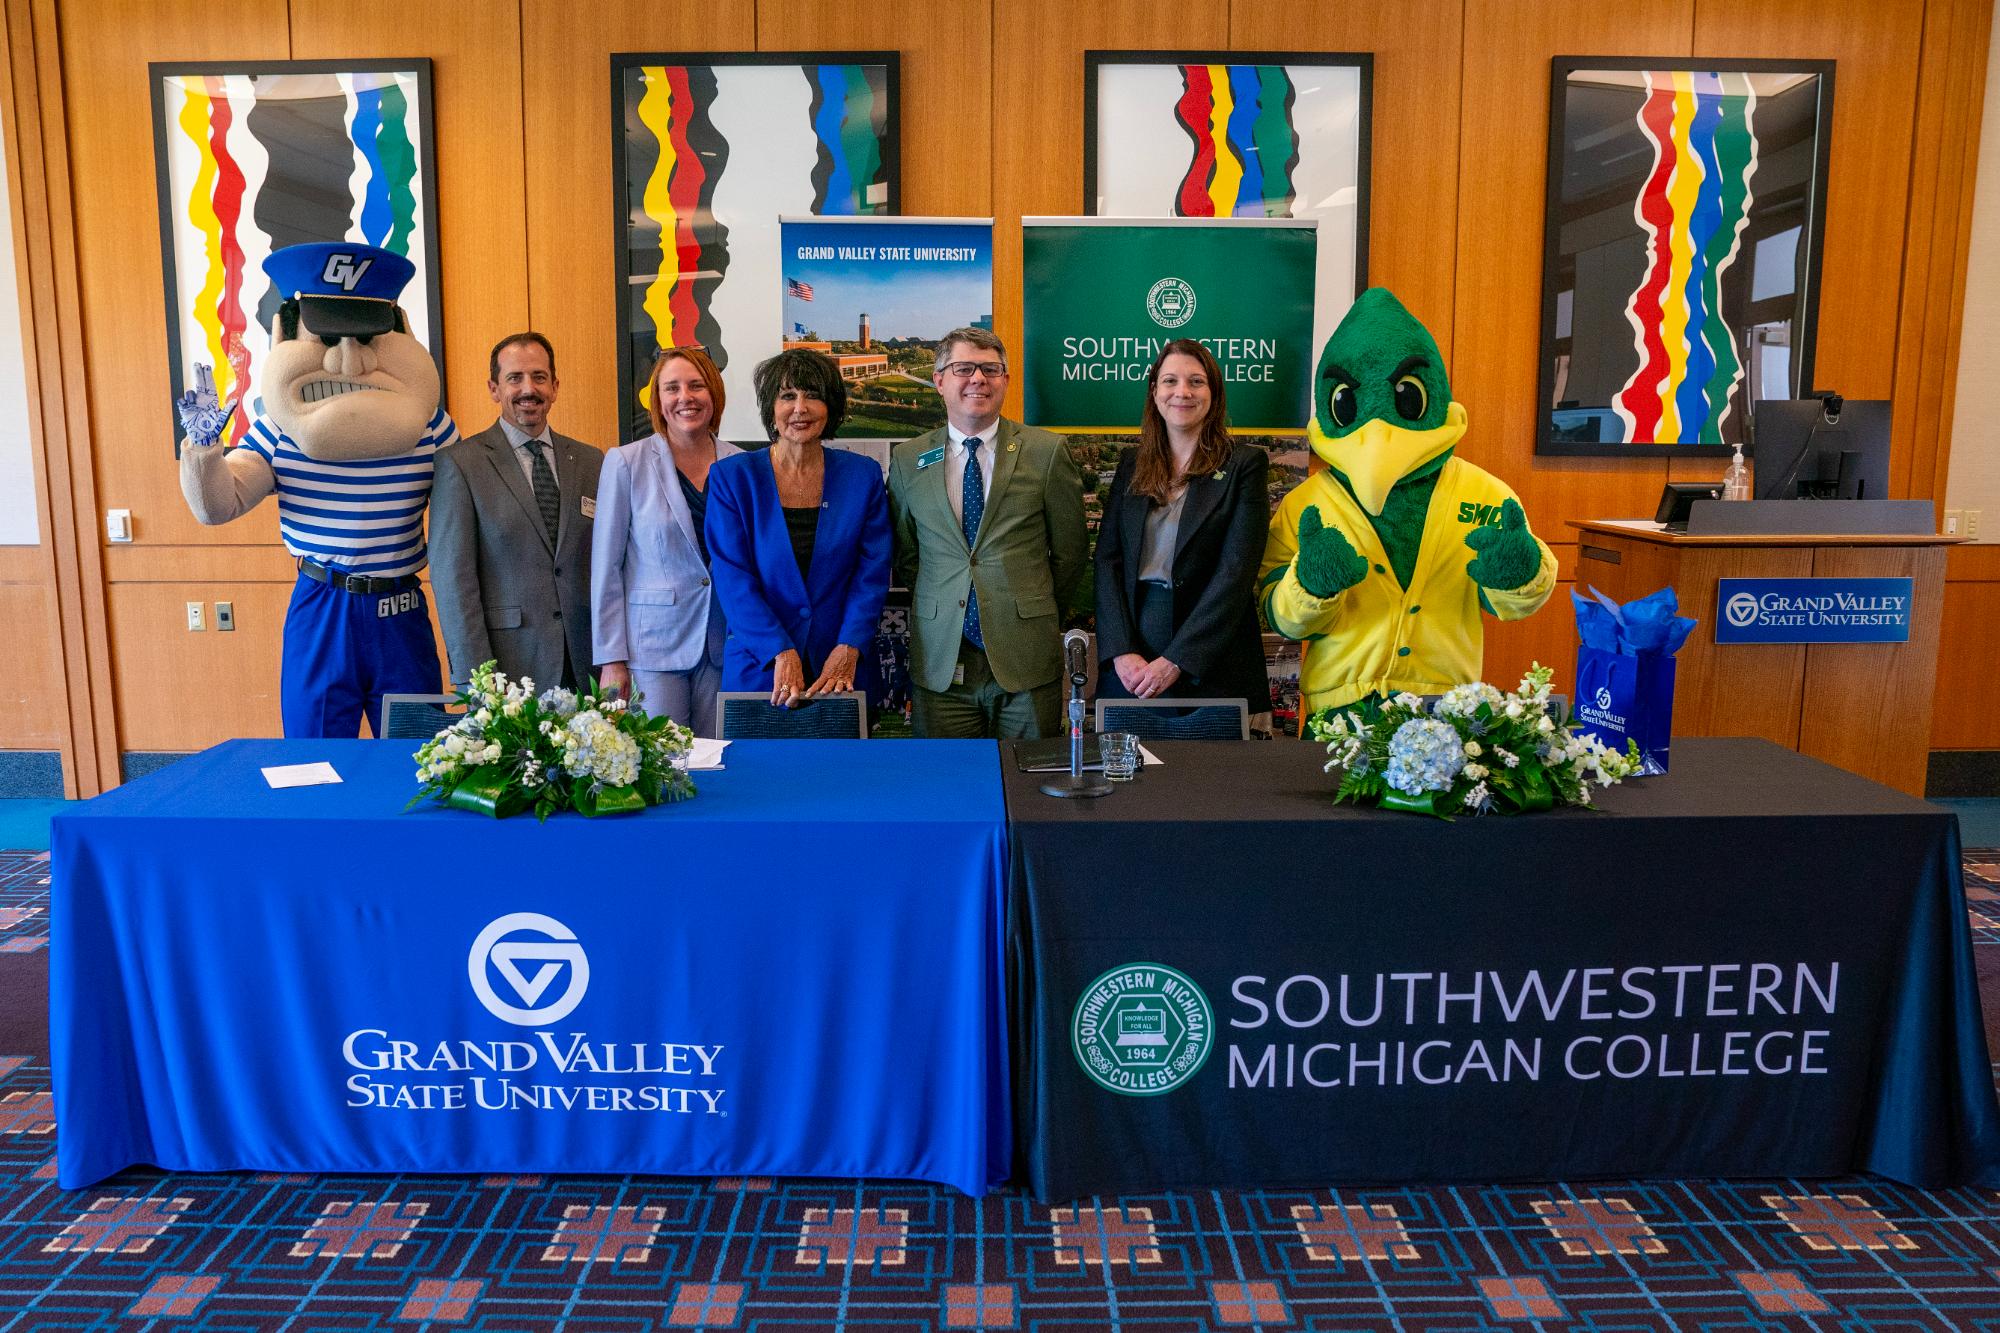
[{"x": 1755, "y": 965}]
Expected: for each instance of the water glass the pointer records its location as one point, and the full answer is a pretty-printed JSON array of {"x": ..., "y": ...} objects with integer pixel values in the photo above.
[{"x": 1120, "y": 752}]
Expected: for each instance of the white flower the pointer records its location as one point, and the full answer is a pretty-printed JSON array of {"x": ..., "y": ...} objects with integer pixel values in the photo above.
[
  {"x": 513, "y": 708},
  {"x": 1509, "y": 758},
  {"x": 1473, "y": 750},
  {"x": 1479, "y": 798},
  {"x": 1408, "y": 700},
  {"x": 1464, "y": 700},
  {"x": 1545, "y": 726},
  {"x": 1477, "y": 772},
  {"x": 1514, "y": 708},
  {"x": 483, "y": 717}
]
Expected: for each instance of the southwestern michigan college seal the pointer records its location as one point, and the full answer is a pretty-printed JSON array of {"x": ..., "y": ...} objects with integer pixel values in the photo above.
[{"x": 1142, "y": 1029}]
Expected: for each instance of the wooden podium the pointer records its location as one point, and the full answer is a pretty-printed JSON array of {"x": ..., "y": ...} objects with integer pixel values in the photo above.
[{"x": 1865, "y": 707}]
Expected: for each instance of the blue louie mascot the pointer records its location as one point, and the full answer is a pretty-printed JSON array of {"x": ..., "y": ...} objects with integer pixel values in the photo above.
[{"x": 347, "y": 424}]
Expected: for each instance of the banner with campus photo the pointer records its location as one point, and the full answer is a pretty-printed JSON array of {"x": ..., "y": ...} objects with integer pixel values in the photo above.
[
  {"x": 1101, "y": 296},
  {"x": 876, "y": 294}
]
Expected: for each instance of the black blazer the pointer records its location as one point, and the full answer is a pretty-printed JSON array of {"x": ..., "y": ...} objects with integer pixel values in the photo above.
[{"x": 1217, "y": 640}]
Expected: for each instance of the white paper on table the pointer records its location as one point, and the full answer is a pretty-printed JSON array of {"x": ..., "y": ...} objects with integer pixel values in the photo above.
[
  {"x": 301, "y": 775},
  {"x": 1152, "y": 760},
  {"x": 705, "y": 755}
]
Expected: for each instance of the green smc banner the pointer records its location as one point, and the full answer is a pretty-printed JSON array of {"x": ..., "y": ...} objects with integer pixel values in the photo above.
[{"x": 1101, "y": 296}]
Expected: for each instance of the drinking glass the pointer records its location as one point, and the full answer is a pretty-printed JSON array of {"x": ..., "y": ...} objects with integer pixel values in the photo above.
[{"x": 1120, "y": 752}]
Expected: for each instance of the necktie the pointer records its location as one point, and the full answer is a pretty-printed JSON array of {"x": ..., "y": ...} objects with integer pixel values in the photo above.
[
  {"x": 972, "y": 505},
  {"x": 547, "y": 497}
]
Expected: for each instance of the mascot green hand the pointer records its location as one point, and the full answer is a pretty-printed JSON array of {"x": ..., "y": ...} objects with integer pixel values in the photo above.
[
  {"x": 1328, "y": 562},
  {"x": 1505, "y": 557}
]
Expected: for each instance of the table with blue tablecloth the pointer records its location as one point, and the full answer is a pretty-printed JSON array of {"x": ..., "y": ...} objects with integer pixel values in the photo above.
[{"x": 799, "y": 972}]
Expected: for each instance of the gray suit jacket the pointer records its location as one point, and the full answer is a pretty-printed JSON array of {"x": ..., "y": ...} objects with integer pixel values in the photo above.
[{"x": 503, "y": 591}]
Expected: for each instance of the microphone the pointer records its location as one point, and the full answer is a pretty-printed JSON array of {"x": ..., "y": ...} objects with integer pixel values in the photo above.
[{"x": 1076, "y": 655}]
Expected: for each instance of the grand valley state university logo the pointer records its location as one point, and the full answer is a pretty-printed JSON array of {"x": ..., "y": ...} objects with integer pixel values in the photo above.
[
  {"x": 529, "y": 967},
  {"x": 1142, "y": 1029}
]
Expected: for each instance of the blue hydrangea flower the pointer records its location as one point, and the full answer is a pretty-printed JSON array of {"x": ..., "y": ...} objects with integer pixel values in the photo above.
[{"x": 1424, "y": 755}]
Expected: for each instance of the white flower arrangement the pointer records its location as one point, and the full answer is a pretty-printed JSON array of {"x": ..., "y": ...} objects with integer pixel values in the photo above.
[
  {"x": 515, "y": 750},
  {"x": 1476, "y": 751}
]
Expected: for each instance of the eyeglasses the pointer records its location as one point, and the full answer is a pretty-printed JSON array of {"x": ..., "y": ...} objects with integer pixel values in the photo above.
[{"x": 965, "y": 370}]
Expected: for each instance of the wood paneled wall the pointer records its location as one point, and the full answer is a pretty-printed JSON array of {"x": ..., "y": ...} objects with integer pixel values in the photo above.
[{"x": 992, "y": 124}]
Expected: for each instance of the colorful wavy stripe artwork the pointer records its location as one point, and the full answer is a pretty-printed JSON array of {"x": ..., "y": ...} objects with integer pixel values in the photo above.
[
  {"x": 849, "y": 117},
  {"x": 675, "y": 194},
  {"x": 1692, "y": 208},
  {"x": 817, "y": 140},
  {"x": 1239, "y": 118},
  {"x": 256, "y": 163}
]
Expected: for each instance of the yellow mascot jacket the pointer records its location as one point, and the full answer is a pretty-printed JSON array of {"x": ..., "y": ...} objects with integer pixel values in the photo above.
[{"x": 1377, "y": 637}]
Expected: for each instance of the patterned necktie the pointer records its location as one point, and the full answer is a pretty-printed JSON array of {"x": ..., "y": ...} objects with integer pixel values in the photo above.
[
  {"x": 972, "y": 505},
  {"x": 547, "y": 497}
]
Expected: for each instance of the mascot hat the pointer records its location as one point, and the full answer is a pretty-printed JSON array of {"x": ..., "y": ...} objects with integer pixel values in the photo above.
[
  {"x": 1382, "y": 406},
  {"x": 344, "y": 288}
]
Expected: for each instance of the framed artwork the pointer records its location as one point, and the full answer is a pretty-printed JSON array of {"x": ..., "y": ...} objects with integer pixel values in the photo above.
[
  {"x": 252, "y": 157},
  {"x": 1680, "y": 273},
  {"x": 1237, "y": 134},
  {"x": 707, "y": 152}
]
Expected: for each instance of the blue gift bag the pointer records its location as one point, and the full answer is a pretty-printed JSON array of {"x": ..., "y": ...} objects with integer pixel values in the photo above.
[{"x": 1625, "y": 671}]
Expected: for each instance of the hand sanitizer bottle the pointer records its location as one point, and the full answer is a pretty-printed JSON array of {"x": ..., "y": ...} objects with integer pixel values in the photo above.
[{"x": 1736, "y": 481}]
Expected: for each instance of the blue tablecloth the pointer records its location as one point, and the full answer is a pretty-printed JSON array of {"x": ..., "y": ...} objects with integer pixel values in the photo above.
[{"x": 799, "y": 972}]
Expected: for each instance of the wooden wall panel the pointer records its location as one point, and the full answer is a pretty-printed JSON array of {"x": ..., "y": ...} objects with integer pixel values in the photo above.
[
  {"x": 1967, "y": 701},
  {"x": 1037, "y": 115},
  {"x": 1413, "y": 205},
  {"x": 31, "y": 687},
  {"x": 182, "y": 691},
  {"x": 571, "y": 258},
  {"x": 1503, "y": 180}
]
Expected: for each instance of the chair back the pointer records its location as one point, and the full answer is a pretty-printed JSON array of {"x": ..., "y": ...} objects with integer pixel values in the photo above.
[
  {"x": 416, "y": 717},
  {"x": 1177, "y": 719},
  {"x": 747, "y": 715}
]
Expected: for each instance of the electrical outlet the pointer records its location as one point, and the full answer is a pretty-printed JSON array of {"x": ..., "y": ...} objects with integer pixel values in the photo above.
[
  {"x": 225, "y": 617},
  {"x": 1972, "y": 525},
  {"x": 118, "y": 525},
  {"x": 1954, "y": 522},
  {"x": 196, "y": 621}
]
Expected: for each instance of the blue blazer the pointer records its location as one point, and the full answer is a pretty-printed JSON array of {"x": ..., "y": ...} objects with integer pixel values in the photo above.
[
  {"x": 769, "y": 608},
  {"x": 649, "y": 586}
]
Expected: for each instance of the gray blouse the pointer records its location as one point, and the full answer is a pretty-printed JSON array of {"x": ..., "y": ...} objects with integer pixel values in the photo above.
[{"x": 1156, "y": 550}]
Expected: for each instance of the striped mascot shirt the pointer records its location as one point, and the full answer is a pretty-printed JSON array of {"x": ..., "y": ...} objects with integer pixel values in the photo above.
[{"x": 365, "y": 515}]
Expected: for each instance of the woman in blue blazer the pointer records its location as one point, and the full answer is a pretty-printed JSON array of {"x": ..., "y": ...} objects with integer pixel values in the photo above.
[
  {"x": 656, "y": 628},
  {"x": 800, "y": 544}
]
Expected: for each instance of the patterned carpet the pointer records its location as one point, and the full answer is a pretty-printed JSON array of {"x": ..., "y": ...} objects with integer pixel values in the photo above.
[{"x": 603, "y": 1253}]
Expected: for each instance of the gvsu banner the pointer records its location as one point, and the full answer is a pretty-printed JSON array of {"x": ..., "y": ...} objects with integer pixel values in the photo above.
[
  {"x": 1812, "y": 610},
  {"x": 1102, "y": 296},
  {"x": 876, "y": 295}
]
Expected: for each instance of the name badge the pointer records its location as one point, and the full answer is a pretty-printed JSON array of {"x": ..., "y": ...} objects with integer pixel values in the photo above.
[
  {"x": 930, "y": 456},
  {"x": 589, "y": 503},
  {"x": 958, "y": 674}
]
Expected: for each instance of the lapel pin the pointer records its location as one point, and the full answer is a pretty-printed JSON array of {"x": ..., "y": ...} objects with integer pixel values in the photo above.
[
  {"x": 1011, "y": 448},
  {"x": 1217, "y": 476}
]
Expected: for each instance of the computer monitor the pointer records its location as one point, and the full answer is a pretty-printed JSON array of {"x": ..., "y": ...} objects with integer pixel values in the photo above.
[{"x": 1826, "y": 448}]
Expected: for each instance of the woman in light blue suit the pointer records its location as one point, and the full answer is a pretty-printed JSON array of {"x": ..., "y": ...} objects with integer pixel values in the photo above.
[
  {"x": 800, "y": 542},
  {"x": 657, "y": 630}
]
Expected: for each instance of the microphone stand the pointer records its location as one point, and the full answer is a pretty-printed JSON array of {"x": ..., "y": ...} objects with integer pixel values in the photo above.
[{"x": 1076, "y": 783}]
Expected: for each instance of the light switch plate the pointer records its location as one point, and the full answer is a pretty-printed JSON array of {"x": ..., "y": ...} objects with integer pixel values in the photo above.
[{"x": 225, "y": 616}]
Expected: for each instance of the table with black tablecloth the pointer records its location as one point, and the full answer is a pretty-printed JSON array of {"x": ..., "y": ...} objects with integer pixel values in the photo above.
[
  {"x": 798, "y": 972},
  {"x": 1756, "y": 965}
]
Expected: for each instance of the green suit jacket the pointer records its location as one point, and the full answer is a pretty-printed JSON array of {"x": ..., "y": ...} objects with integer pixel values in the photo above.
[{"x": 1028, "y": 561}]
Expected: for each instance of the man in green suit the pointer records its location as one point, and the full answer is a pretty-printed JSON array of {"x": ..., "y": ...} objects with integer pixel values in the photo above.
[{"x": 990, "y": 541}]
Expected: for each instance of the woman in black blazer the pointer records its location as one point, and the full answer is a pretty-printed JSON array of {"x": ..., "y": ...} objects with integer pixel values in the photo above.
[{"x": 1177, "y": 553}]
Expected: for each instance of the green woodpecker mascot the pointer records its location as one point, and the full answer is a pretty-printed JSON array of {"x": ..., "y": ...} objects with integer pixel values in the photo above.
[{"x": 1385, "y": 561}]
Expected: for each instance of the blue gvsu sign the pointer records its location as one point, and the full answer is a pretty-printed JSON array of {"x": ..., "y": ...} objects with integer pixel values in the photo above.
[{"x": 1813, "y": 610}]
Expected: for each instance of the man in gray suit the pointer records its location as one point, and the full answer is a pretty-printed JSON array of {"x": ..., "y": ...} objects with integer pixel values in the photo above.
[{"x": 511, "y": 511}]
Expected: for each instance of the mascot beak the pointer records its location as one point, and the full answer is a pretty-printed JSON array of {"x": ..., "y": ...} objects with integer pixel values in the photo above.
[{"x": 1375, "y": 455}]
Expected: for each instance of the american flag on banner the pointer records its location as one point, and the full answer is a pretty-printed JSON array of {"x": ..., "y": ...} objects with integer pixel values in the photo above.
[{"x": 802, "y": 290}]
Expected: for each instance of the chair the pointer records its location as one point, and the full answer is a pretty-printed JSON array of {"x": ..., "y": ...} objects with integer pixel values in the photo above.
[
  {"x": 747, "y": 715},
  {"x": 1176, "y": 719},
  {"x": 416, "y": 717}
]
